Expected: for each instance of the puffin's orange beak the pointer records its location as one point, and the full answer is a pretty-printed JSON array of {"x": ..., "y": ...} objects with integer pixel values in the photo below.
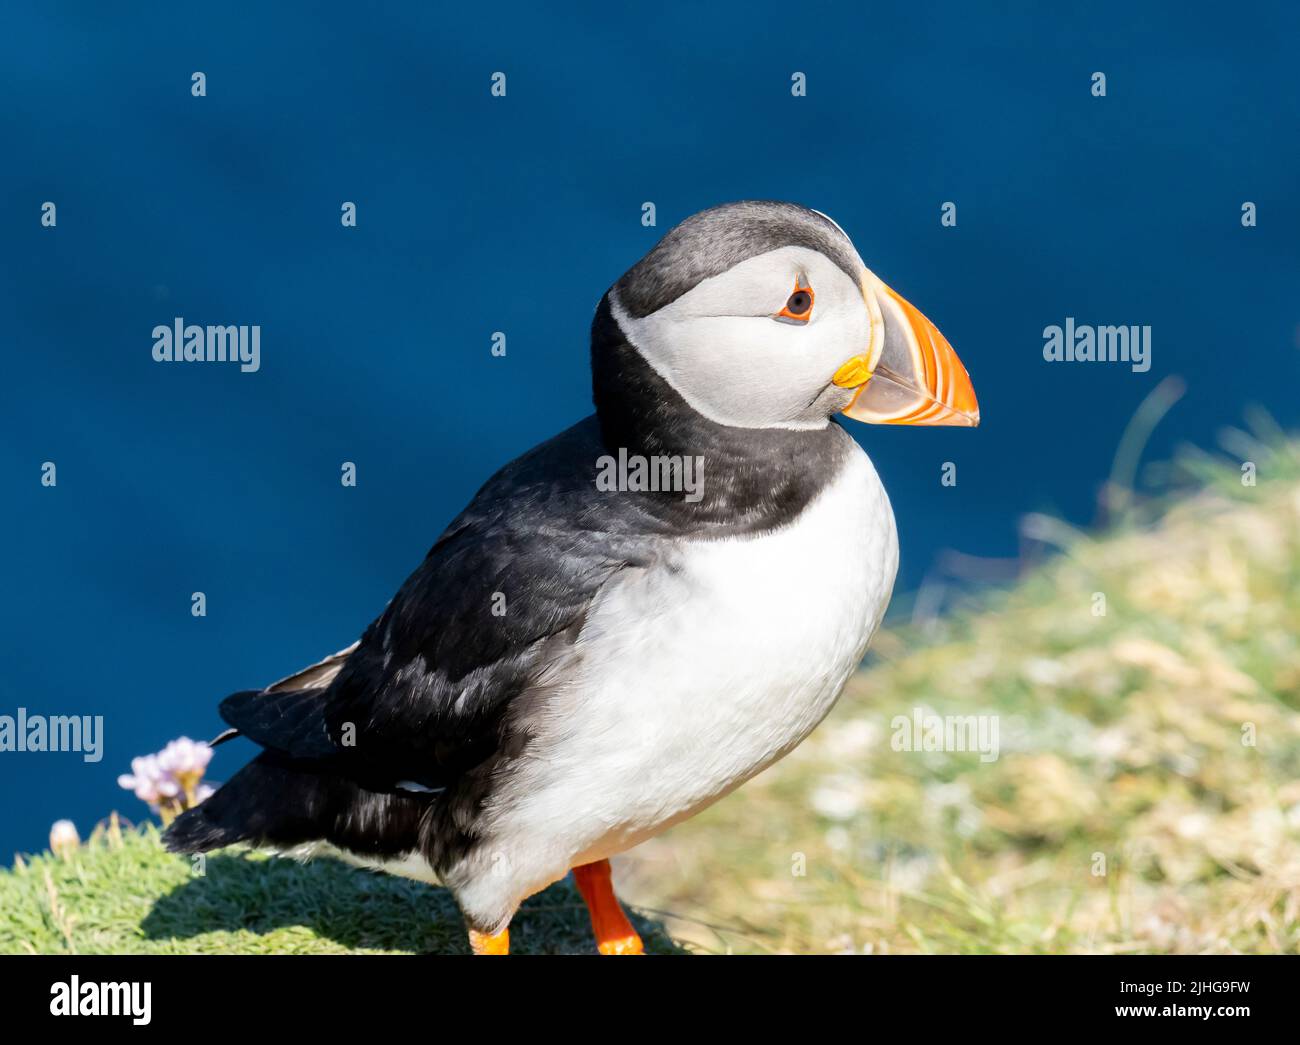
[{"x": 909, "y": 374}]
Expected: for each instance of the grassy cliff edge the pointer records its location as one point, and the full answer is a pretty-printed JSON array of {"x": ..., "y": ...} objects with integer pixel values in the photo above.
[{"x": 1145, "y": 795}]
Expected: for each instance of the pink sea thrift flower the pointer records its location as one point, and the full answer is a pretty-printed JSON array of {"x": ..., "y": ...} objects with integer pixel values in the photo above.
[
  {"x": 150, "y": 782},
  {"x": 172, "y": 780},
  {"x": 185, "y": 757}
]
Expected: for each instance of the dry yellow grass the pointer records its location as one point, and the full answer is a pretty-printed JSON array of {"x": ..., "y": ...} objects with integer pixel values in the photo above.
[{"x": 1146, "y": 797}]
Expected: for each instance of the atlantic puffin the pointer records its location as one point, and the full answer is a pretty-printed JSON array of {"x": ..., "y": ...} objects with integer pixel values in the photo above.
[{"x": 573, "y": 669}]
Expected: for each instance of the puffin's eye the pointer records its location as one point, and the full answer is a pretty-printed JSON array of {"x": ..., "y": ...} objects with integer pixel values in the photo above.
[{"x": 798, "y": 306}]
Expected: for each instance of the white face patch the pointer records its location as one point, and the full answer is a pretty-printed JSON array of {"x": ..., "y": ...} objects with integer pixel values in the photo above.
[{"x": 722, "y": 350}]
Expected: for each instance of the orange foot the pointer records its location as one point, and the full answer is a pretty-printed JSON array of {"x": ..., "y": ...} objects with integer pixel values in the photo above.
[
  {"x": 614, "y": 933},
  {"x": 482, "y": 943}
]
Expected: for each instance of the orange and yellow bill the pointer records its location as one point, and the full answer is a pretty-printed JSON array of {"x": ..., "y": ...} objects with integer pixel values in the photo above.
[{"x": 909, "y": 374}]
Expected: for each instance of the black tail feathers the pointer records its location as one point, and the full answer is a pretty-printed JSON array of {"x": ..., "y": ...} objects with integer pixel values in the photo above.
[
  {"x": 291, "y": 721},
  {"x": 269, "y": 801},
  {"x": 276, "y": 802},
  {"x": 193, "y": 832}
]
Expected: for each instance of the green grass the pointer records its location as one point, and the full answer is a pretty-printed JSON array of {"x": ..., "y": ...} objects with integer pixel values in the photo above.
[
  {"x": 122, "y": 893},
  {"x": 1121, "y": 753}
]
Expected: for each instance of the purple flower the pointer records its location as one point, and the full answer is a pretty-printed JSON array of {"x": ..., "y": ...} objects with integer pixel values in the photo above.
[
  {"x": 150, "y": 782},
  {"x": 185, "y": 757},
  {"x": 170, "y": 781}
]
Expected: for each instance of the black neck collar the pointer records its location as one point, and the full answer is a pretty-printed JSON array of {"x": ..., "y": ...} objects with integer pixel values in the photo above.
[{"x": 753, "y": 478}]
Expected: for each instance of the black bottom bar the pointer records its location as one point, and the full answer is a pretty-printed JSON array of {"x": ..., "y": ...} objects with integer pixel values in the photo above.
[{"x": 385, "y": 994}]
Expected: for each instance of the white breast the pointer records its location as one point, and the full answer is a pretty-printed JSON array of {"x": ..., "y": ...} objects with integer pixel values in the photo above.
[{"x": 696, "y": 675}]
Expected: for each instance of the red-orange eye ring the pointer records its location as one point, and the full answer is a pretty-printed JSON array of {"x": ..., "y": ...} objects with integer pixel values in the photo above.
[{"x": 799, "y": 305}]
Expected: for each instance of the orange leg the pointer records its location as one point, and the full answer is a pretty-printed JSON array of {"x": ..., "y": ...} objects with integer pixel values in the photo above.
[
  {"x": 482, "y": 943},
  {"x": 614, "y": 933}
]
